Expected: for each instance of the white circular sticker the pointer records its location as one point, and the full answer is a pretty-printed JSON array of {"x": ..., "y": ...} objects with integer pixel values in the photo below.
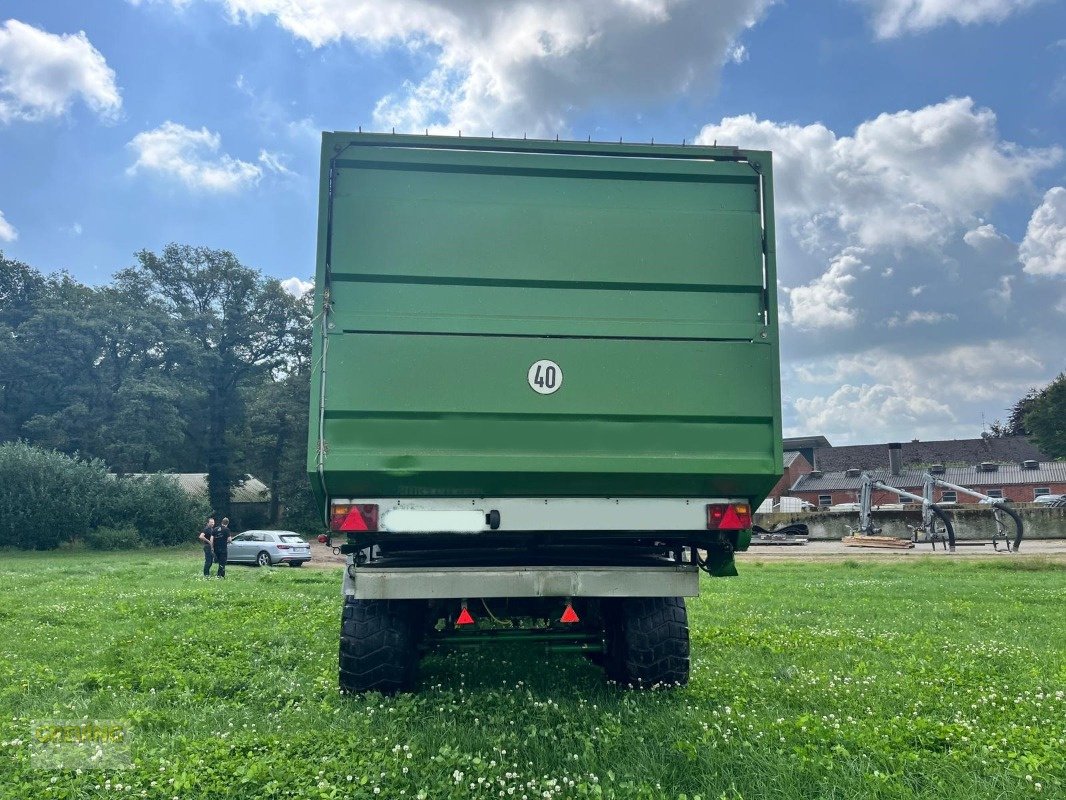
[{"x": 545, "y": 377}]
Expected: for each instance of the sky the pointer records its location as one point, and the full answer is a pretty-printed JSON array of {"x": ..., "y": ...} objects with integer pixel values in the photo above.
[{"x": 919, "y": 154}]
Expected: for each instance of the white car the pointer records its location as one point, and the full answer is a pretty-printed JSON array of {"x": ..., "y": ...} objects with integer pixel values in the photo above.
[{"x": 1053, "y": 500}]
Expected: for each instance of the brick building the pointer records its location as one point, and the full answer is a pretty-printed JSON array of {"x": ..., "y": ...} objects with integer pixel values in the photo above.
[
  {"x": 795, "y": 467},
  {"x": 1017, "y": 482}
]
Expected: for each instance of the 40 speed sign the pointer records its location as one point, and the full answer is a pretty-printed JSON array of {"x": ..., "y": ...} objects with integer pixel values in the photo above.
[{"x": 545, "y": 377}]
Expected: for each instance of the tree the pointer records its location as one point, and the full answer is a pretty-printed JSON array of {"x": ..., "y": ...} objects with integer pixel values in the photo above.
[
  {"x": 1046, "y": 418},
  {"x": 238, "y": 326},
  {"x": 1015, "y": 424},
  {"x": 276, "y": 433},
  {"x": 274, "y": 442},
  {"x": 94, "y": 372},
  {"x": 20, "y": 286}
]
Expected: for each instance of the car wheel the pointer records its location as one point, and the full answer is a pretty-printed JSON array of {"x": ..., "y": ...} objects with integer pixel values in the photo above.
[
  {"x": 263, "y": 559},
  {"x": 296, "y": 563}
]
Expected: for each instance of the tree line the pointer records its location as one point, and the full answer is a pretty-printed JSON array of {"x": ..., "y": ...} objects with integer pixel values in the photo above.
[
  {"x": 186, "y": 361},
  {"x": 1040, "y": 415}
]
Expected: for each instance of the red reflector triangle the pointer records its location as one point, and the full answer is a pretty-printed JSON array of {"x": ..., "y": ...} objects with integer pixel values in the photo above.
[
  {"x": 464, "y": 618},
  {"x": 569, "y": 615},
  {"x": 354, "y": 521},
  {"x": 730, "y": 520}
]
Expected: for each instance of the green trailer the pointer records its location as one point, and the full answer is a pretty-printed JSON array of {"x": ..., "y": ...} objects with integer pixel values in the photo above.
[{"x": 545, "y": 389}]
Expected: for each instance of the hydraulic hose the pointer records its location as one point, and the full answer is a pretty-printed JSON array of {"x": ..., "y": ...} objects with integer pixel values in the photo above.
[
  {"x": 943, "y": 517},
  {"x": 1010, "y": 512}
]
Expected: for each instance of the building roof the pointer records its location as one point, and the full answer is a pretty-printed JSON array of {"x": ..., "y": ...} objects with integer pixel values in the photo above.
[
  {"x": 250, "y": 490},
  {"x": 790, "y": 456},
  {"x": 1046, "y": 473},
  {"x": 801, "y": 442},
  {"x": 950, "y": 452}
]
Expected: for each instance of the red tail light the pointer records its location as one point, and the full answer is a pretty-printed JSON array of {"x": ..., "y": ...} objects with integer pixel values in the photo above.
[
  {"x": 728, "y": 516},
  {"x": 354, "y": 518},
  {"x": 283, "y": 547}
]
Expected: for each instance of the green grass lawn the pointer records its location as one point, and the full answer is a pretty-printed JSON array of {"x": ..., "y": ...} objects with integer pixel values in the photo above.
[{"x": 931, "y": 678}]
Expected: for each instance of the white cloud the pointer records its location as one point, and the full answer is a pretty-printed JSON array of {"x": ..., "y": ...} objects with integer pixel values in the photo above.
[
  {"x": 825, "y": 301},
  {"x": 986, "y": 239},
  {"x": 1043, "y": 250},
  {"x": 737, "y": 54},
  {"x": 919, "y": 318},
  {"x": 297, "y": 287},
  {"x": 882, "y": 394},
  {"x": 869, "y": 412},
  {"x": 515, "y": 66},
  {"x": 896, "y": 17},
  {"x": 907, "y": 178},
  {"x": 7, "y": 230},
  {"x": 867, "y": 218},
  {"x": 273, "y": 162},
  {"x": 42, "y": 73},
  {"x": 1003, "y": 292},
  {"x": 304, "y": 131},
  {"x": 191, "y": 157},
  {"x": 984, "y": 371}
]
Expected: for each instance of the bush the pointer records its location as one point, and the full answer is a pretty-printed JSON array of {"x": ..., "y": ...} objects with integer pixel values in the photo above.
[
  {"x": 156, "y": 506},
  {"x": 46, "y": 497},
  {"x": 113, "y": 538}
]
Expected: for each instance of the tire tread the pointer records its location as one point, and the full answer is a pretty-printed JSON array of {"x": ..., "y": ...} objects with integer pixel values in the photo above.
[
  {"x": 378, "y": 647},
  {"x": 650, "y": 642}
]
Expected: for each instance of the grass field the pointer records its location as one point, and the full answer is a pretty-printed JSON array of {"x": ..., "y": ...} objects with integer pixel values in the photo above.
[{"x": 933, "y": 678}]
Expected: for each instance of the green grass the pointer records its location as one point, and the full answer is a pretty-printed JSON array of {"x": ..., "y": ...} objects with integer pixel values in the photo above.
[{"x": 930, "y": 678}]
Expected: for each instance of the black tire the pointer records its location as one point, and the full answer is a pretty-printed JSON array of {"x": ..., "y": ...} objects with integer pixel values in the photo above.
[
  {"x": 379, "y": 646},
  {"x": 262, "y": 559},
  {"x": 296, "y": 563},
  {"x": 647, "y": 642}
]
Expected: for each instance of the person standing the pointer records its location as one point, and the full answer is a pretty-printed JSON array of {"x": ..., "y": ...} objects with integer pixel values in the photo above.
[
  {"x": 221, "y": 536},
  {"x": 205, "y": 537}
]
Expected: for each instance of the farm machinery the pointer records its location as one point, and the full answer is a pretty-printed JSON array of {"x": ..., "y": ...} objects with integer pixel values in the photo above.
[{"x": 936, "y": 525}]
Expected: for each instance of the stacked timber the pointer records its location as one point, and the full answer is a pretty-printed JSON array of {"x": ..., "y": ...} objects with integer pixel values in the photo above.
[{"x": 883, "y": 542}]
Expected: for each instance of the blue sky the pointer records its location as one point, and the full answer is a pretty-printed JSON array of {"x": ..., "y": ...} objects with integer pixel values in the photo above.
[{"x": 918, "y": 146}]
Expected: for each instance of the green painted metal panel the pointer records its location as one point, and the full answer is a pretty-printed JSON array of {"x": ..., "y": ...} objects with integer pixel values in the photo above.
[{"x": 448, "y": 266}]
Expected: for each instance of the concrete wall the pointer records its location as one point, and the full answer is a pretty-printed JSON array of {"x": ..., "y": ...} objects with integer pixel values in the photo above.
[{"x": 969, "y": 523}]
